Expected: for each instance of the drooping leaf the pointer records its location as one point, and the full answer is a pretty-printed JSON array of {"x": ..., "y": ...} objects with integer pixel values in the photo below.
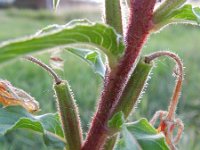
[
  {"x": 76, "y": 32},
  {"x": 92, "y": 57},
  {"x": 48, "y": 125},
  {"x": 145, "y": 135}
]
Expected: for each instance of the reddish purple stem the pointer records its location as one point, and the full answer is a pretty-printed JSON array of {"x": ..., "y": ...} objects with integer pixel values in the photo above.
[{"x": 140, "y": 23}]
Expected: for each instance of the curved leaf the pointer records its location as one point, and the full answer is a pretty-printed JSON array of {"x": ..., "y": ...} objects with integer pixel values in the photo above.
[
  {"x": 145, "y": 135},
  {"x": 128, "y": 142},
  {"x": 184, "y": 14},
  {"x": 75, "y": 32},
  {"x": 92, "y": 57},
  {"x": 48, "y": 125}
]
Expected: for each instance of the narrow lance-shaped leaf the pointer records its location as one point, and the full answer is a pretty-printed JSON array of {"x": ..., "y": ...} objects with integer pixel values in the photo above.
[
  {"x": 15, "y": 117},
  {"x": 141, "y": 135},
  {"x": 69, "y": 116},
  {"x": 75, "y": 32}
]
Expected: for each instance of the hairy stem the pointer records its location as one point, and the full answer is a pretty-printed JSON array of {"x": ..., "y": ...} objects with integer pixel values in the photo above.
[
  {"x": 69, "y": 116},
  {"x": 134, "y": 88},
  {"x": 66, "y": 107},
  {"x": 131, "y": 93},
  {"x": 139, "y": 25},
  {"x": 177, "y": 89},
  {"x": 110, "y": 143},
  {"x": 113, "y": 15}
]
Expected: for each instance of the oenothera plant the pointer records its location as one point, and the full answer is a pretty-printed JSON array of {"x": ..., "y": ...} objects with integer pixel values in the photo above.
[{"x": 113, "y": 50}]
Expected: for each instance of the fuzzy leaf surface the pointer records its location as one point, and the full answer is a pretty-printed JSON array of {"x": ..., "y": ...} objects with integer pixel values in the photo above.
[
  {"x": 92, "y": 57},
  {"x": 15, "y": 117},
  {"x": 141, "y": 135},
  {"x": 76, "y": 32},
  {"x": 185, "y": 14}
]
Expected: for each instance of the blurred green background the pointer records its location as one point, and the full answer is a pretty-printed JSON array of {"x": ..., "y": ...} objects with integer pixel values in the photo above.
[{"x": 182, "y": 39}]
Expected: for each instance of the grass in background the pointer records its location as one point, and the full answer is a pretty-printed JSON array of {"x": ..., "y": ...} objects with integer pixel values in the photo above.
[
  {"x": 86, "y": 85},
  {"x": 16, "y": 23}
]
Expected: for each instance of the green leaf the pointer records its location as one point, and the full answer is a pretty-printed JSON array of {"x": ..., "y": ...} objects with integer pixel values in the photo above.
[
  {"x": 116, "y": 121},
  {"x": 166, "y": 8},
  {"x": 184, "y": 14},
  {"x": 51, "y": 140},
  {"x": 92, "y": 57},
  {"x": 76, "y": 32},
  {"x": 144, "y": 133},
  {"x": 128, "y": 142},
  {"x": 48, "y": 125}
]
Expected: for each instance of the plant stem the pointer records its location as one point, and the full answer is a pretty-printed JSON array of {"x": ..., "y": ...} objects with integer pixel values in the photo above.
[
  {"x": 134, "y": 88},
  {"x": 110, "y": 143},
  {"x": 177, "y": 89},
  {"x": 131, "y": 94},
  {"x": 66, "y": 107},
  {"x": 44, "y": 66},
  {"x": 113, "y": 15},
  {"x": 139, "y": 25},
  {"x": 69, "y": 116}
]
